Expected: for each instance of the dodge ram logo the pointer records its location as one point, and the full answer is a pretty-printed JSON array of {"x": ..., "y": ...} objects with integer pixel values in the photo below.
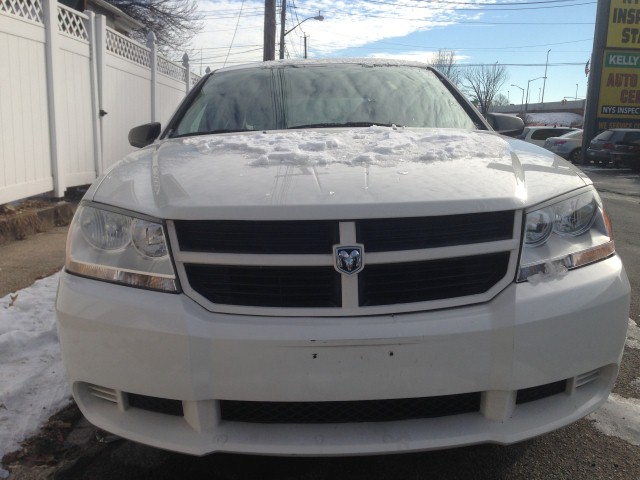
[{"x": 349, "y": 259}]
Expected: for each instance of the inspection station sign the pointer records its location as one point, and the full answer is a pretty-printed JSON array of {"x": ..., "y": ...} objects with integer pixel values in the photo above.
[{"x": 619, "y": 100}]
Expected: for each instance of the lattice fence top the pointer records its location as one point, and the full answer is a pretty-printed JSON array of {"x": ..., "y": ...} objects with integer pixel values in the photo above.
[
  {"x": 195, "y": 78},
  {"x": 72, "y": 23},
  {"x": 29, "y": 9},
  {"x": 171, "y": 69},
  {"x": 127, "y": 48}
]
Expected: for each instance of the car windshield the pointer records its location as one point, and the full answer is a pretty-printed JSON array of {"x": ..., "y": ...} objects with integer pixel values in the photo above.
[
  {"x": 604, "y": 136},
  {"x": 346, "y": 95},
  {"x": 576, "y": 134}
]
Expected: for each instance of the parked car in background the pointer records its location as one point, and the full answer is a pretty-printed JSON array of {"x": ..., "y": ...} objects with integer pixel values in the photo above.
[
  {"x": 338, "y": 257},
  {"x": 621, "y": 146},
  {"x": 538, "y": 135},
  {"x": 568, "y": 146}
]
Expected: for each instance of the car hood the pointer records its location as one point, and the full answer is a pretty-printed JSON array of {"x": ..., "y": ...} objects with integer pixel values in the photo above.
[{"x": 339, "y": 173}]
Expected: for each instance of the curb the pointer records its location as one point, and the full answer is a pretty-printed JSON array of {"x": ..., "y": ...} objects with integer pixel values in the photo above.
[{"x": 39, "y": 219}]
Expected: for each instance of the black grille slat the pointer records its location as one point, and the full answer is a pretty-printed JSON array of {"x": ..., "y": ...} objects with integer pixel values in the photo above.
[
  {"x": 396, "y": 283},
  {"x": 312, "y": 287},
  {"x": 349, "y": 411},
  {"x": 276, "y": 237},
  {"x": 389, "y": 234}
]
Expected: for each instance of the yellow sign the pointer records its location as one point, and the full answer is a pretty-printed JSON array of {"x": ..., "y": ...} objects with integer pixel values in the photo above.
[
  {"x": 624, "y": 24},
  {"x": 619, "y": 99}
]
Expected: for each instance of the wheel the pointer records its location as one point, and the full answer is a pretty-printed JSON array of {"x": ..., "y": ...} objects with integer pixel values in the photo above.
[{"x": 576, "y": 156}]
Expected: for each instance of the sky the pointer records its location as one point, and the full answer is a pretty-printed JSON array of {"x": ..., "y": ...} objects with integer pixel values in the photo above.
[
  {"x": 527, "y": 36},
  {"x": 33, "y": 385}
]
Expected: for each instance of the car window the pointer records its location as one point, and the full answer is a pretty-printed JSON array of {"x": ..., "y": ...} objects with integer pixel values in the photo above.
[
  {"x": 280, "y": 97},
  {"x": 544, "y": 133},
  {"x": 632, "y": 136}
]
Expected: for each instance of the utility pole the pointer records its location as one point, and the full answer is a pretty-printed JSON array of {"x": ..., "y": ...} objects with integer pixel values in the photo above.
[
  {"x": 305, "y": 45},
  {"x": 269, "y": 49},
  {"x": 283, "y": 17}
]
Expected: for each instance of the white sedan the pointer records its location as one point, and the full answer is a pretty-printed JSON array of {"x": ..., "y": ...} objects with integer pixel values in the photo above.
[{"x": 568, "y": 146}]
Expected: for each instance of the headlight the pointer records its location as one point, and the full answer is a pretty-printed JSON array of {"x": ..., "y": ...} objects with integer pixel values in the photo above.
[
  {"x": 569, "y": 234},
  {"x": 119, "y": 248}
]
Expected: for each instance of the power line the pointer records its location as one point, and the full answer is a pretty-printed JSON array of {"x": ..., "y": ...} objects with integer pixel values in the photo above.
[
  {"x": 480, "y": 6},
  {"x": 234, "y": 33}
]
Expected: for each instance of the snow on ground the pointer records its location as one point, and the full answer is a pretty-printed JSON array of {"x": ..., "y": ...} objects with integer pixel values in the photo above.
[
  {"x": 33, "y": 385},
  {"x": 32, "y": 379},
  {"x": 558, "y": 119}
]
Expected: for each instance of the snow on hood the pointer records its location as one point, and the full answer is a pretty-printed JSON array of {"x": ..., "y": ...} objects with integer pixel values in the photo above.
[{"x": 337, "y": 173}]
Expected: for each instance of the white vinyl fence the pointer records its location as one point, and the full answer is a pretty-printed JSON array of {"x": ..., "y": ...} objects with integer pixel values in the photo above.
[{"x": 70, "y": 90}]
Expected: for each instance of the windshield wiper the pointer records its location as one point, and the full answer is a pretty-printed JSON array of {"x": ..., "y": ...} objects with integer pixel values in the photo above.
[{"x": 346, "y": 124}]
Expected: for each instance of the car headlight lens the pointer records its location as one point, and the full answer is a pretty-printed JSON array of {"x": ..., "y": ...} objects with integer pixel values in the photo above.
[
  {"x": 119, "y": 248},
  {"x": 563, "y": 236}
]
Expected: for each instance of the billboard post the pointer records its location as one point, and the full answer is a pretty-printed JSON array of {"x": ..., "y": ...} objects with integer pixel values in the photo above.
[{"x": 595, "y": 76}]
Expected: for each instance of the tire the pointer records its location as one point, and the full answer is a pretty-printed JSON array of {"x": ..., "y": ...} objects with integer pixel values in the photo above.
[{"x": 576, "y": 156}]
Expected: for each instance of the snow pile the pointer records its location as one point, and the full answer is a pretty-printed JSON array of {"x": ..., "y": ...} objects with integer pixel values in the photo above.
[
  {"x": 633, "y": 335},
  {"x": 619, "y": 417},
  {"x": 381, "y": 146},
  {"x": 32, "y": 379}
]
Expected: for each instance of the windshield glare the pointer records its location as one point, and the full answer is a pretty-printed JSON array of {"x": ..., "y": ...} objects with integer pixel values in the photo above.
[{"x": 321, "y": 96}]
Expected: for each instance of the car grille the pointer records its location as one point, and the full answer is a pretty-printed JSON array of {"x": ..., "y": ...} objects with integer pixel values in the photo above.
[
  {"x": 349, "y": 411},
  {"x": 291, "y": 264}
]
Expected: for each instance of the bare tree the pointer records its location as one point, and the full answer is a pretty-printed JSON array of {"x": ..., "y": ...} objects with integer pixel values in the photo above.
[
  {"x": 174, "y": 22},
  {"x": 445, "y": 62},
  {"x": 500, "y": 100},
  {"x": 483, "y": 82}
]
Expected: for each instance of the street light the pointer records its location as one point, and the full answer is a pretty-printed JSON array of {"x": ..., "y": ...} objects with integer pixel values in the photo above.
[
  {"x": 544, "y": 84},
  {"x": 526, "y": 105},
  {"x": 521, "y": 101},
  {"x": 283, "y": 34}
]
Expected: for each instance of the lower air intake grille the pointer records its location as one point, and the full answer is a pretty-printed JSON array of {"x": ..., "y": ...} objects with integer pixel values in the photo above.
[
  {"x": 155, "y": 404},
  {"x": 542, "y": 391},
  {"x": 349, "y": 411}
]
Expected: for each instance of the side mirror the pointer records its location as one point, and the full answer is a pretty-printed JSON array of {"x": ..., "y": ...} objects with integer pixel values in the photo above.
[
  {"x": 144, "y": 135},
  {"x": 504, "y": 124}
]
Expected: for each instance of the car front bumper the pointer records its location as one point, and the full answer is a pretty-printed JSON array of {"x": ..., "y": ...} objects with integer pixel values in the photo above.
[{"x": 121, "y": 343}]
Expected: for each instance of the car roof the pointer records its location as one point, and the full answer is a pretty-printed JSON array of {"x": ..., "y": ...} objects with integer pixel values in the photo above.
[
  {"x": 549, "y": 127},
  {"x": 378, "y": 62}
]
